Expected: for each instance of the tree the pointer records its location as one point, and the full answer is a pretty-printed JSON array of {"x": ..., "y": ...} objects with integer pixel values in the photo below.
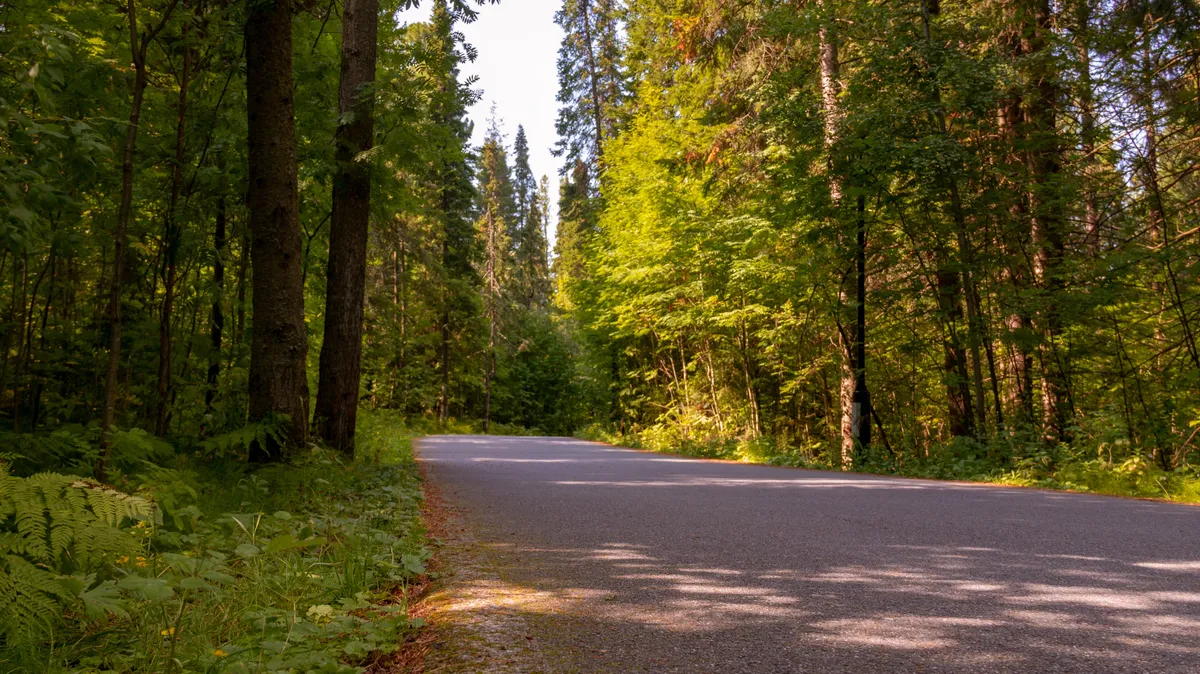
[
  {"x": 278, "y": 382},
  {"x": 455, "y": 194},
  {"x": 590, "y": 81},
  {"x": 528, "y": 233},
  {"x": 341, "y": 350},
  {"x": 139, "y": 45},
  {"x": 496, "y": 210}
]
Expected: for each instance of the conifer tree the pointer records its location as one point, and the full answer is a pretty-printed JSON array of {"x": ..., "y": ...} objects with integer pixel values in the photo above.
[
  {"x": 523, "y": 183},
  {"x": 341, "y": 349},
  {"x": 528, "y": 232},
  {"x": 496, "y": 211},
  {"x": 591, "y": 83},
  {"x": 455, "y": 193},
  {"x": 278, "y": 377}
]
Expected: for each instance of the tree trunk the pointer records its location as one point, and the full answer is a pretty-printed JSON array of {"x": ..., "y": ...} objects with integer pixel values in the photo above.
[
  {"x": 861, "y": 402},
  {"x": 593, "y": 76},
  {"x": 341, "y": 350},
  {"x": 171, "y": 254},
  {"x": 831, "y": 108},
  {"x": 279, "y": 345},
  {"x": 950, "y": 286},
  {"x": 138, "y": 48},
  {"x": 444, "y": 350},
  {"x": 1087, "y": 123},
  {"x": 1043, "y": 162},
  {"x": 217, "y": 315}
]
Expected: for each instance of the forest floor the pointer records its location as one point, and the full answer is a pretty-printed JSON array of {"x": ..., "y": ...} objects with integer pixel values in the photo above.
[{"x": 570, "y": 556}]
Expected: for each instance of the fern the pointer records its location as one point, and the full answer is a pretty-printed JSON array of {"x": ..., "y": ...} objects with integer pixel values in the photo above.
[
  {"x": 271, "y": 429},
  {"x": 32, "y": 598},
  {"x": 51, "y": 525},
  {"x": 66, "y": 448}
]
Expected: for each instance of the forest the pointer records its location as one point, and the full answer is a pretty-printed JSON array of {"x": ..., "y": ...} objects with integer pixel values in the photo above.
[
  {"x": 248, "y": 250},
  {"x": 944, "y": 238}
]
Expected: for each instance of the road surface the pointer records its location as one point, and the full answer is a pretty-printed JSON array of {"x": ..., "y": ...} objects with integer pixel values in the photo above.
[{"x": 655, "y": 563}]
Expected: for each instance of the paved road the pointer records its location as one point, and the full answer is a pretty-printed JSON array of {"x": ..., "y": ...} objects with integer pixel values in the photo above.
[{"x": 654, "y": 563}]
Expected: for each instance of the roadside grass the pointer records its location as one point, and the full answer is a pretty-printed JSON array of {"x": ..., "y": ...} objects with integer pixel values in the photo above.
[
  {"x": 1100, "y": 467},
  {"x": 301, "y": 567}
]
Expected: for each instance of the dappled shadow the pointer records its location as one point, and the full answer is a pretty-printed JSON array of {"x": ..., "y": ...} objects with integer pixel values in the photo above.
[{"x": 709, "y": 567}]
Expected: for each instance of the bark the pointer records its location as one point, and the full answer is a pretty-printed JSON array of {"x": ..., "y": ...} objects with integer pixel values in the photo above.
[
  {"x": 861, "y": 400},
  {"x": 1019, "y": 363},
  {"x": 217, "y": 314},
  {"x": 831, "y": 108},
  {"x": 491, "y": 301},
  {"x": 279, "y": 344},
  {"x": 341, "y": 350},
  {"x": 1044, "y": 165},
  {"x": 958, "y": 394},
  {"x": 1087, "y": 124}
]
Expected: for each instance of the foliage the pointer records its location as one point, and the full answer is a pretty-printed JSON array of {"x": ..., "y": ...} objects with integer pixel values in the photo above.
[
  {"x": 51, "y": 527},
  {"x": 300, "y": 566},
  {"x": 1024, "y": 177}
]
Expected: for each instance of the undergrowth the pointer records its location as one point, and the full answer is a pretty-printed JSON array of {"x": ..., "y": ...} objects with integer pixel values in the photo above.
[
  {"x": 207, "y": 564},
  {"x": 1100, "y": 467}
]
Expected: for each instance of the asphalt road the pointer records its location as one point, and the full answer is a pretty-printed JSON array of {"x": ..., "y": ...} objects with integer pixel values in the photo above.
[{"x": 655, "y": 563}]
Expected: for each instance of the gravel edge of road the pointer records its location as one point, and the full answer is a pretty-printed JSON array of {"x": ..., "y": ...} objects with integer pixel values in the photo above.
[{"x": 476, "y": 623}]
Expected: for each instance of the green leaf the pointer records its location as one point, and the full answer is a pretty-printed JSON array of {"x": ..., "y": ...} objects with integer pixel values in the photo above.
[
  {"x": 194, "y": 583},
  {"x": 246, "y": 550},
  {"x": 154, "y": 590}
]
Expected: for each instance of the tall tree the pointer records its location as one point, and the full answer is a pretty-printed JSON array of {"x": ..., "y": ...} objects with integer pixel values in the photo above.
[
  {"x": 496, "y": 210},
  {"x": 523, "y": 183},
  {"x": 590, "y": 80},
  {"x": 528, "y": 230},
  {"x": 139, "y": 45},
  {"x": 451, "y": 177},
  {"x": 341, "y": 350},
  {"x": 279, "y": 347}
]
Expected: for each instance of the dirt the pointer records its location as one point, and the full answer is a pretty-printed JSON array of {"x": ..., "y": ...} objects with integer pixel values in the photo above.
[{"x": 475, "y": 619}]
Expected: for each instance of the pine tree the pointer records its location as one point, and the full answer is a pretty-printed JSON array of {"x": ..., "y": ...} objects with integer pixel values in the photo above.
[
  {"x": 591, "y": 83},
  {"x": 278, "y": 377},
  {"x": 576, "y": 224},
  {"x": 523, "y": 183},
  {"x": 529, "y": 236},
  {"x": 496, "y": 211},
  {"x": 452, "y": 182},
  {"x": 341, "y": 349}
]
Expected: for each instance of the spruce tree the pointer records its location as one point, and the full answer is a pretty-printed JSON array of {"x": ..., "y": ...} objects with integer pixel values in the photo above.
[
  {"x": 496, "y": 212},
  {"x": 529, "y": 238},
  {"x": 591, "y": 83},
  {"x": 451, "y": 177}
]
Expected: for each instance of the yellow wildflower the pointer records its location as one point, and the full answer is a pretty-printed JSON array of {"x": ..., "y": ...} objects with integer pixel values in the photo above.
[
  {"x": 220, "y": 653},
  {"x": 123, "y": 559},
  {"x": 170, "y": 631}
]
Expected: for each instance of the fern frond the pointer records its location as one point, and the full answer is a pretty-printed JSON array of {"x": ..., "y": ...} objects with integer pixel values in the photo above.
[{"x": 56, "y": 524}]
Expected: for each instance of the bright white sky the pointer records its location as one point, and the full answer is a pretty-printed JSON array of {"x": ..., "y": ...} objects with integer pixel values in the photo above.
[{"x": 518, "y": 45}]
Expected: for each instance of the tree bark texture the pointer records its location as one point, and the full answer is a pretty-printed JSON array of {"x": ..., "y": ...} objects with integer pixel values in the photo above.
[
  {"x": 341, "y": 350},
  {"x": 279, "y": 344}
]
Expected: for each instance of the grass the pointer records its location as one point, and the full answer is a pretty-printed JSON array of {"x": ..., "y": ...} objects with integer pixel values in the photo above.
[
  {"x": 300, "y": 567},
  {"x": 1079, "y": 468}
]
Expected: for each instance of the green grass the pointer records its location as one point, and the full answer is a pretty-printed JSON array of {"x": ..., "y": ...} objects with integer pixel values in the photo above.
[
  {"x": 1080, "y": 468},
  {"x": 291, "y": 568}
]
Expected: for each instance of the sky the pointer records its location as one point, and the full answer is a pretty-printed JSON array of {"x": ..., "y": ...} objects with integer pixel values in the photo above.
[{"x": 518, "y": 44}]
